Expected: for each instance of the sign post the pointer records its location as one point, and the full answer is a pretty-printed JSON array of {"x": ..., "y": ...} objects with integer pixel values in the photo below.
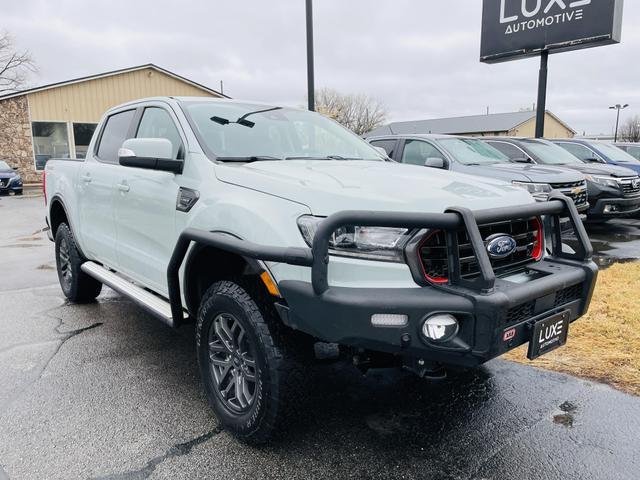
[
  {"x": 514, "y": 29},
  {"x": 541, "y": 108}
]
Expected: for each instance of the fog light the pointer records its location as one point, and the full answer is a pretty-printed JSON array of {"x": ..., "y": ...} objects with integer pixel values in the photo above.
[
  {"x": 440, "y": 328},
  {"x": 389, "y": 320}
]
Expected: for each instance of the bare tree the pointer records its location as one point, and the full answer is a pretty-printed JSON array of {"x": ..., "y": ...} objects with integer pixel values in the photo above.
[
  {"x": 359, "y": 113},
  {"x": 15, "y": 66},
  {"x": 630, "y": 130}
]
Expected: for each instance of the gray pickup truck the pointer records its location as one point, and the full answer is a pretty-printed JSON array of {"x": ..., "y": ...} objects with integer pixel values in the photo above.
[{"x": 474, "y": 157}]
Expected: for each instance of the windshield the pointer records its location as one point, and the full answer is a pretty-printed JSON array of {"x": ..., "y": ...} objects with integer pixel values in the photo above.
[
  {"x": 472, "y": 152},
  {"x": 550, "y": 154},
  {"x": 634, "y": 151},
  {"x": 4, "y": 166},
  {"x": 263, "y": 133},
  {"x": 614, "y": 153}
]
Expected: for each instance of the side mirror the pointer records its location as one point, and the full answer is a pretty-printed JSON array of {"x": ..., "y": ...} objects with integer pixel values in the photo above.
[
  {"x": 521, "y": 160},
  {"x": 149, "y": 153},
  {"x": 15, "y": 169},
  {"x": 593, "y": 160},
  {"x": 434, "y": 162}
]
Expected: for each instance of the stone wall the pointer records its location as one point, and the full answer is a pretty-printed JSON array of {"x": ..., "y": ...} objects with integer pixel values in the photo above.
[{"x": 16, "y": 147}]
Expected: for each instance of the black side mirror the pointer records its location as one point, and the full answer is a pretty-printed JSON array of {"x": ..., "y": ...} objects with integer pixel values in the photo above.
[
  {"x": 434, "y": 162},
  {"x": 149, "y": 153}
]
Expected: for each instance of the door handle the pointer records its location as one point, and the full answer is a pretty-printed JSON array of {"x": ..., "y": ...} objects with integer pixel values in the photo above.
[
  {"x": 86, "y": 178},
  {"x": 123, "y": 187}
]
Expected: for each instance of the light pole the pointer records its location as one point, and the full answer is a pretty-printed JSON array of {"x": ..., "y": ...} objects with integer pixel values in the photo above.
[
  {"x": 618, "y": 107},
  {"x": 310, "y": 80}
]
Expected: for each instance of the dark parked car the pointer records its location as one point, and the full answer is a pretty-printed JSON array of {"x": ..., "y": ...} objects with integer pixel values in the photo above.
[
  {"x": 475, "y": 157},
  {"x": 10, "y": 181},
  {"x": 613, "y": 191},
  {"x": 595, "y": 151},
  {"x": 632, "y": 149}
]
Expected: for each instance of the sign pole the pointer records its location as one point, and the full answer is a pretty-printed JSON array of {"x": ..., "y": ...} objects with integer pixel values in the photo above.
[
  {"x": 310, "y": 74},
  {"x": 542, "y": 94}
]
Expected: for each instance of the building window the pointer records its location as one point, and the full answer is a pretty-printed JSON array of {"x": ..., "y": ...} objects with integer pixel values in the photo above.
[
  {"x": 50, "y": 140},
  {"x": 82, "y": 133}
]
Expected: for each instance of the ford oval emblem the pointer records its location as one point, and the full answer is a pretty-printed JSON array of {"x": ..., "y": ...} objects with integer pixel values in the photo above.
[{"x": 501, "y": 245}]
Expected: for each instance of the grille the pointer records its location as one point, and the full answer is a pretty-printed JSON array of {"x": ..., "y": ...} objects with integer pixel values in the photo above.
[
  {"x": 526, "y": 310},
  {"x": 569, "y": 188},
  {"x": 629, "y": 187},
  {"x": 433, "y": 250}
]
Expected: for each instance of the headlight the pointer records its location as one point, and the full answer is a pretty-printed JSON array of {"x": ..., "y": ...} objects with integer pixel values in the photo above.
[
  {"x": 603, "y": 180},
  {"x": 373, "y": 243},
  {"x": 540, "y": 191}
]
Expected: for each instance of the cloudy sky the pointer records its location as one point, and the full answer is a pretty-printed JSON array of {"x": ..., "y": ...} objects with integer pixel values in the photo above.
[{"x": 418, "y": 57}]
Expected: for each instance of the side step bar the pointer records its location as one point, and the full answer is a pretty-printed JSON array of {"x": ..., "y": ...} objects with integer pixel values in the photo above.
[{"x": 147, "y": 300}]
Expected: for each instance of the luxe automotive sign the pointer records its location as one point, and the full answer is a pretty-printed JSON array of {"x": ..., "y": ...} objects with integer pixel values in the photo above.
[{"x": 518, "y": 28}]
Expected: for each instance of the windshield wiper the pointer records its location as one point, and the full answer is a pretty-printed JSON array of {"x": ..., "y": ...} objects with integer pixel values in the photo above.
[
  {"x": 326, "y": 157},
  {"x": 253, "y": 158},
  {"x": 243, "y": 119}
]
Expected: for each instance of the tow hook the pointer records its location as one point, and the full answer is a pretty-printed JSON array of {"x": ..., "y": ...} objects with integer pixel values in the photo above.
[{"x": 424, "y": 369}]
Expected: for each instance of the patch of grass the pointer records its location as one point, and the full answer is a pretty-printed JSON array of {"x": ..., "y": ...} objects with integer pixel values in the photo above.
[{"x": 604, "y": 345}]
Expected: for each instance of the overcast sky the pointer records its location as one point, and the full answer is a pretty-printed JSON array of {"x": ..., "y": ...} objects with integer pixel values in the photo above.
[{"x": 420, "y": 58}]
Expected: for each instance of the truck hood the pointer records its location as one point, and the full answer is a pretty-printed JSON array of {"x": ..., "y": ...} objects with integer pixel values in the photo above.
[
  {"x": 326, "y": 186},
  {"x": 525, "y": 173},
  {"x": 601, "y": 169}
]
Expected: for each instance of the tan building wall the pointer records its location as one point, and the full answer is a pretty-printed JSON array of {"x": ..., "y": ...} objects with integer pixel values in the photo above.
[
  {"x": 82, "y": 102},
  {"x": 15, "y": 136},
  {"x": 552, "y": 129},
  {"x": 87, "y": 101}
]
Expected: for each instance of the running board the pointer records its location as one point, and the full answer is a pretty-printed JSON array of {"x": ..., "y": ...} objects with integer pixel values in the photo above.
[{"x": 147, "y": 300}]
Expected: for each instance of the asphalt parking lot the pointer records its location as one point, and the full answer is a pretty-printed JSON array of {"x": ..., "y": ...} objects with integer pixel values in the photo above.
[{"x": 106, "y": 391}]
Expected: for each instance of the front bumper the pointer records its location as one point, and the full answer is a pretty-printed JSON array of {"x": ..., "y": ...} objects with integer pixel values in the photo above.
[
  {"x": 486, "y": 306},
  {"x": 618, "y": 207},
  {"x": 10, "y": 188},
  {"x": 343, "y": 315}
]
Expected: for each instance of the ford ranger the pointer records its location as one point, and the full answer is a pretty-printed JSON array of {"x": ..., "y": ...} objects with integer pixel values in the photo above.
[{"x": 285, "y": 236}]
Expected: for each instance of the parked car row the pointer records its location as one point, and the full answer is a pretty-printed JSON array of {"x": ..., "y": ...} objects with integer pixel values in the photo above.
[{"x": 600, "y": 178}]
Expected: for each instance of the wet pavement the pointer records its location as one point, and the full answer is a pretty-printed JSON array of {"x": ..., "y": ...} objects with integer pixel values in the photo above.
[
  {"x": 615, "y": 241},
  {"x": 106, "y": 391}
]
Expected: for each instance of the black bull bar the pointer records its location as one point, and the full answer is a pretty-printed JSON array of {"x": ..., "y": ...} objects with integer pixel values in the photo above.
[{"x": 317, "y": 257}]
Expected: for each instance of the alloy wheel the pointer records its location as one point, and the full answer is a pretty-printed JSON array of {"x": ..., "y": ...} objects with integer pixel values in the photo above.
[
  {"x": 65, "y": 262},
  {"x": 232, "y": 363}
]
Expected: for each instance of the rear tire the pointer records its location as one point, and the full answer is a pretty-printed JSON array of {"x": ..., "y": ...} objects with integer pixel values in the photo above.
[
  {"x": 247, "y": 373},
  {"x": 76, "y": 285}
]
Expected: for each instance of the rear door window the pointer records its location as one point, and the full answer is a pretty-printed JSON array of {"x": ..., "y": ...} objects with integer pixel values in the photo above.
[{"x": 114, "y": 133}]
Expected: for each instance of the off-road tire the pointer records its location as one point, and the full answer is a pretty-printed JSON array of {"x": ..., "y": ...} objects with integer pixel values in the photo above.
[
  {"x": 279, "y": 370},
  {"x": 76, "y": 285}
]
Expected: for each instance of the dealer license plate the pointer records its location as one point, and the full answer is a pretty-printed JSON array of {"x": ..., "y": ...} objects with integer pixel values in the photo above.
[{"x": 548, "y": 334}]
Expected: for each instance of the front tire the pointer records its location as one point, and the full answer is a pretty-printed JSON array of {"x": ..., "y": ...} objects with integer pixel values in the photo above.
[
  {"x": 76, "y": 285},
  {"x": 245, "y": 370}
]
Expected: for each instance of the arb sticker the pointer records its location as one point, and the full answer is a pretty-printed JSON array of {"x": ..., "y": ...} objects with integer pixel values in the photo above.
[{"x": 509, "y": 334}]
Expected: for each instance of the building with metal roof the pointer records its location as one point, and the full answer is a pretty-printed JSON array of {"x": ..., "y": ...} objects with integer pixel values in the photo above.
[{"x": 516, "y": 124}]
